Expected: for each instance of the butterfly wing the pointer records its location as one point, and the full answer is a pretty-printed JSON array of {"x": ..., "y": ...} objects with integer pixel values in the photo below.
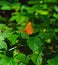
[{"x": 29, "y": 29}]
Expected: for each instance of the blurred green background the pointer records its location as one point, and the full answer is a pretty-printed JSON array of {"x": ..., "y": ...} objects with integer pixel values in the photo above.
[{"x": 20, "y": 48}]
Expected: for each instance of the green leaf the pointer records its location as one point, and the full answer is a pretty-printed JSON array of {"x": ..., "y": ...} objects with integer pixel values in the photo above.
[
  {"x": 29, "y": 9},
  {"x": 21, "y": 28},
  {"x": 55, "y": 15},
  {"x": 34, "y": 43},
  {"x": 1, "y": 36},
  {"x": 43, "y": 35},
  {"x": 42, "y": 12},
  {"x": 3, "y": 45},
  {"x": 4, "y": 60},
  {"x": 56, "y": 8},
  {"x": 32, "y": 2},
  {"x": 12, "y": 62},
  {"x": 7, "y": 32},
  {"x": 6, "y": 8},
  {"x": 37, "y": 58},
  {"x": 21, "y": 58},
  {"x": 13, "y": 18},
  {"x": 53, "y": 61},
  {"x": 2, "y": 18},
  {"x": 21, "y": 64},
  {"x": 12, "y": 38},
  {"x": 16, "y": 6},
  {"x": 2, "y": 26},
  {"x": 7, "y": 61},
  {"x": 20, "y": 19},
  {"x": 24, "y": 35},
  {"x": 56, "y": 30},
  {"x": 4, "y": 3},
  {"x": 50, "y": 1}
]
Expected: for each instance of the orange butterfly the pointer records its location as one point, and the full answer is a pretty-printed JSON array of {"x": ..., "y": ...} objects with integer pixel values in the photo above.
[{"x": 29, "y": 30}]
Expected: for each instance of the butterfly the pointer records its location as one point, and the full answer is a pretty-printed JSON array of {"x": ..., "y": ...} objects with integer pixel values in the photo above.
[{"x": 28, "y": 29}]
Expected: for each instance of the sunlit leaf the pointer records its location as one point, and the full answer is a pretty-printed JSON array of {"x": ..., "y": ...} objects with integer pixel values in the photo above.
[
  {"x": 3, "y": 45},
  {"x": 6, "y": 8},
  {"x": 12, "y": 38}
]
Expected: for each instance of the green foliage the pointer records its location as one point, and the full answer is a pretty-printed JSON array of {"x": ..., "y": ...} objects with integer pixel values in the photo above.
[
  {"x": 37, "y": 57},
  {"x": 34, "y": 44},
  {"x": 18, "y": 59},
  {"x": 53, "y": 61},
  {"x": 21, "y": 58},
  {"x": 3, "y": 45},
  {"x": 17, "y": 47},
  {"x": 12, "y": 38}
]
